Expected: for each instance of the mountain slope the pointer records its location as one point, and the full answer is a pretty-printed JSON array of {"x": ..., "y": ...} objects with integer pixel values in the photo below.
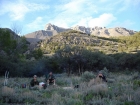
[
  {"x": 77, "y": 39},
  {"x": 51, "y": 30},
  {"x": 11, "y": 43},
  {"x": 39, "y": 35},
  {"x": 12, "y": 34}
]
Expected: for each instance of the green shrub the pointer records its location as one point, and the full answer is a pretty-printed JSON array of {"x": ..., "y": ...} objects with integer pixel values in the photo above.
[
  {"x": 129, "y": 103},
  {"x": 61, "y": 82},
  {"x": 137, "y": 97},
  {"x": 88, "y": 97},
  {"x": 29, "y": 101},
  {"x": 47, "y": 94},
  {"x": 135, "y": 75},
  {"x": 65, "y": 93},
  {"x": 79, "y": 103},
  {"x": 37, "y": 53},
  {"x": 137, "y": 82},
  {"x": 105, "y": 71},
  {"x": 76, "y": 80},
  {"x": 87, "y": 76},
  {"x": 69, "y": 101},
  {"x": 77, "y": 95}
]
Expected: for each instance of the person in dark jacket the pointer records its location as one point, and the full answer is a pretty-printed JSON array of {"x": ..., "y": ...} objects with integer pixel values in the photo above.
[
  {"x": 102, "y": 76},
  {"x": 34, "y": 82},
  {"x": 50, "y": 79}
]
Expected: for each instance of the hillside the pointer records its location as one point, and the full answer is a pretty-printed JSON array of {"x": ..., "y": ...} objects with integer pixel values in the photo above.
[
  {"x": 51, "y": 30},
  {"x": 73, "y": 51},
  {"x": 79, "y": 39},
  {"x": 13, "y": 35},
  {"x": 9, "y": 40}
]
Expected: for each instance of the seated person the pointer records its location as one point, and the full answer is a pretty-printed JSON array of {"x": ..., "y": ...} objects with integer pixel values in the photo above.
[
  {"x": 50, "y": 79},
  {"x": 34, "y": 83},
  {"x": 102, "y": 76}
]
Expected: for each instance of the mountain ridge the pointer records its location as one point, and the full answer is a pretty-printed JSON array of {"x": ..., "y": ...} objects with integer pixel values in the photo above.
[{"x": 51, "y": 30}]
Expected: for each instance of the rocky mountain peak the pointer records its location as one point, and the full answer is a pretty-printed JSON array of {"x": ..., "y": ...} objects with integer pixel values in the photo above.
[
  {"x": 125, "y": 31},
  {"x": 50, "y": 26},
  {"x": 87, "y": 30},
  {"x": 51, "y": 30},
  {"x": 103, "y": 31},
  {"x": 81, "y": 29}
]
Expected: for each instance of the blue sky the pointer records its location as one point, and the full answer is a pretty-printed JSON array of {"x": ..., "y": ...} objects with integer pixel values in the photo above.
[{"x": 33, "y": 15}]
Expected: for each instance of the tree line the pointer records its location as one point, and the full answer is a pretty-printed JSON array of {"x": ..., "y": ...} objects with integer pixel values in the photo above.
[{"x": 72, "y": 60}]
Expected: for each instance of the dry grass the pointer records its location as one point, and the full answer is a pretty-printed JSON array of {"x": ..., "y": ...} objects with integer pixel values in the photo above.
[
  {"x": 122, "y": 91},
  {"x": 6, "y": 91},
  {"x": 100, "y": 88},
  {"x": 91, "y": 82}
]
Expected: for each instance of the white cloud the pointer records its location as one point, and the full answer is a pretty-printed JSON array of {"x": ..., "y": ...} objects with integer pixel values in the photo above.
[
  {"x": 103, "y": 20},
  {"x": 126, "y": 24},
  {"x": 18, "y": 10},
  {"x": 83, "y": 22},
  {"x": 132, "y": 2},
  {"x": 78, "y": 6},
  {"x": 61, "y": 22},
  {"x": 71, "y": 11},
  {"x": 67, "y": 13},
  {"x": 128, "y": 4},
  {"x": 103, "y": 1},
  {"x": 36, "y": 24}
]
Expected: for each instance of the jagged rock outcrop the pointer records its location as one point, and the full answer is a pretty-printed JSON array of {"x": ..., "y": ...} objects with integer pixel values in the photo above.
[
  {"x": 52, "y": 27},
  {"x": 104, "y": 32}
]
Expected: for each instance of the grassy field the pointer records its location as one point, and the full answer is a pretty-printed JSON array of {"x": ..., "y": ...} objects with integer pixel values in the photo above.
[{"x": 121, "y": 89}]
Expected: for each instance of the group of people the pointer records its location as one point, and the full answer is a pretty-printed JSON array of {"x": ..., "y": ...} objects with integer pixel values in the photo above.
[{"x": 50, "y": 80}]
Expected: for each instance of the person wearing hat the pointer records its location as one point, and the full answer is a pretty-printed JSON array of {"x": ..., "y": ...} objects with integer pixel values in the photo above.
[
  {"x": 50, "y": 79},
  {"x": 34, "y": 83}
]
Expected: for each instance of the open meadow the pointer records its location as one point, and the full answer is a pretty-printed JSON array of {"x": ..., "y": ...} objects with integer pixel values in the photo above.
[{"x": 121, "y": 89}]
